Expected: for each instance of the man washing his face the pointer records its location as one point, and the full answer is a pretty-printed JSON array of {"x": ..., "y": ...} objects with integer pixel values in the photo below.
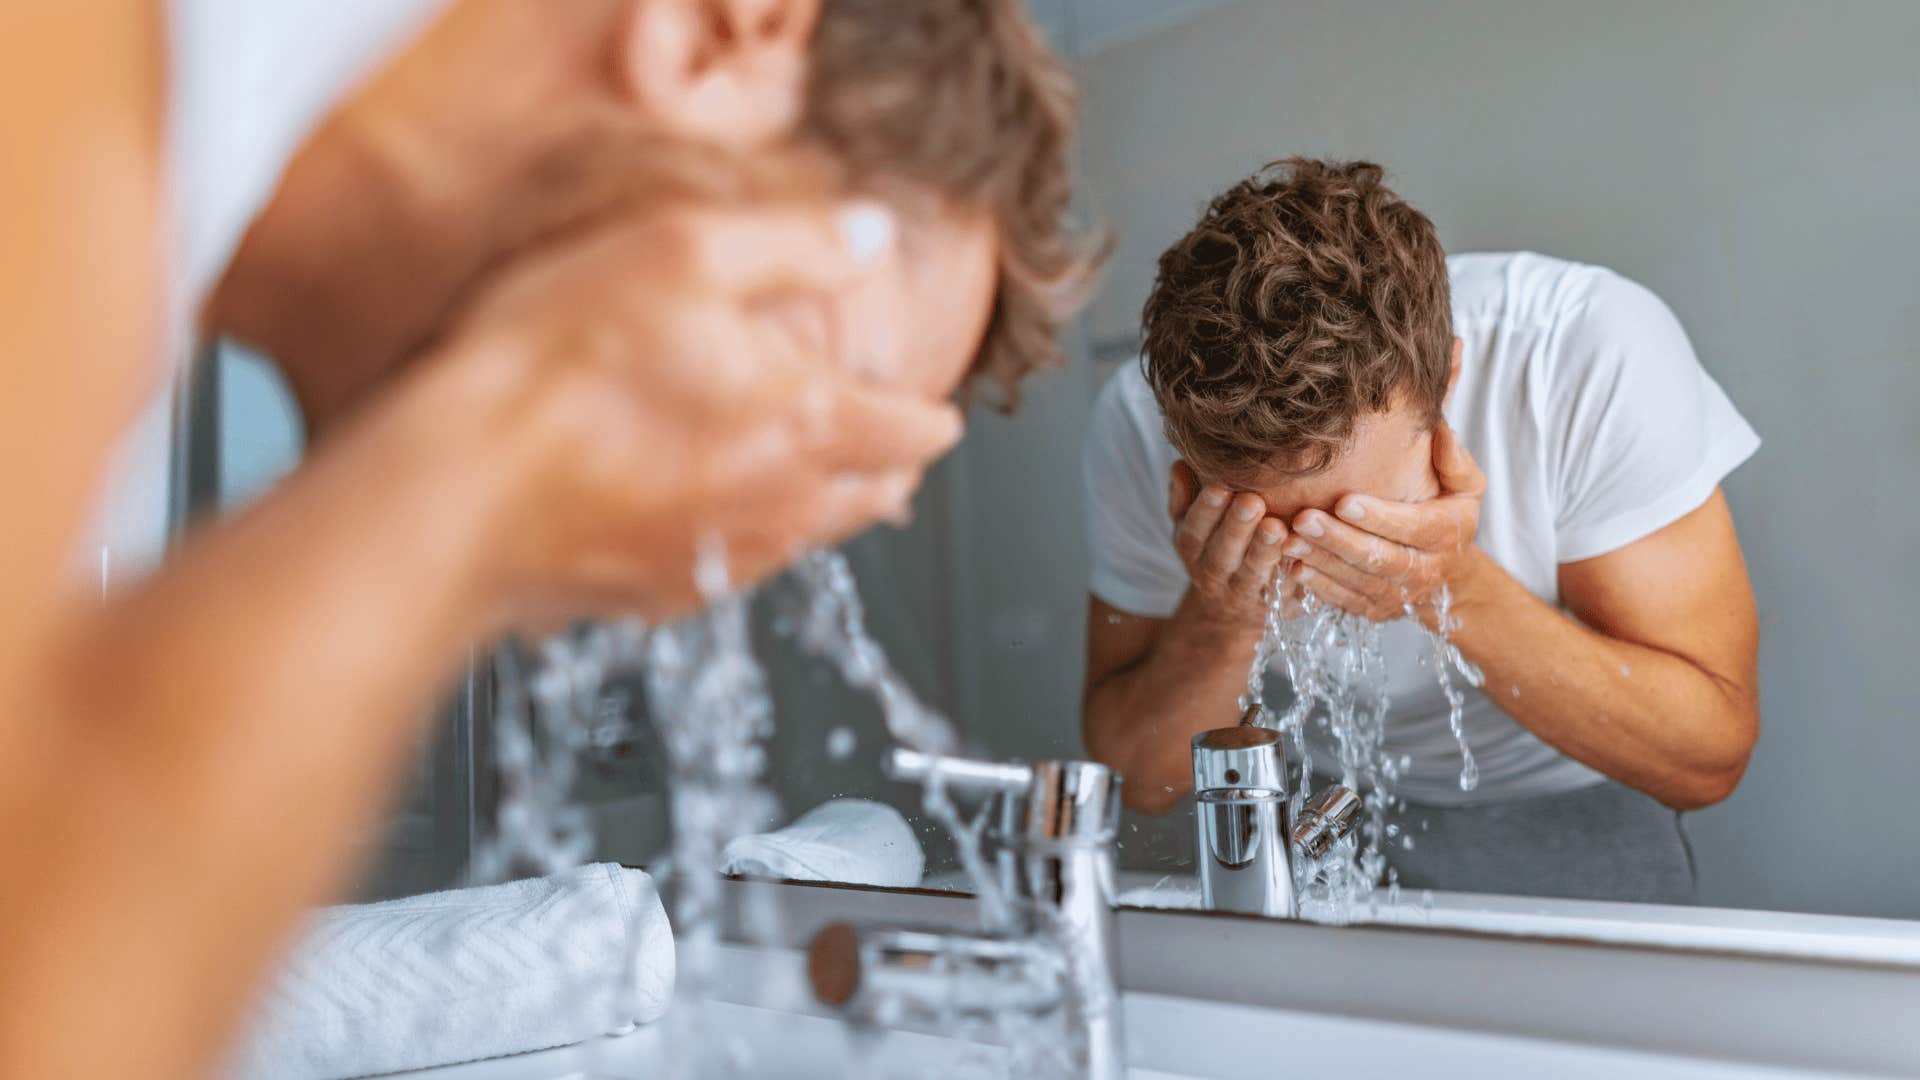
[{"x": 1328, "y": 397}]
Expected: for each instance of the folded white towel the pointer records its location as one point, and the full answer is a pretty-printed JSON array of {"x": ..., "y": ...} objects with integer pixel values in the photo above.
[
  {"x": 468, "y": 974},
  {"x": 847, "y": 840}
]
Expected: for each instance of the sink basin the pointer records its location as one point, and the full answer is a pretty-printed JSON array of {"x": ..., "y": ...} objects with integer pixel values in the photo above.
[
  {"x": 772, "y": 1043},
  {"x": 1208, "y": 994},
  {"x": 780, "y": 1033}
]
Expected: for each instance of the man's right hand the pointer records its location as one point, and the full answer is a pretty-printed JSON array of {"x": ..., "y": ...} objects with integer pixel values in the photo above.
[
  {"x": 637, "y": 404},
  {"x": 1230, "y": 545}
]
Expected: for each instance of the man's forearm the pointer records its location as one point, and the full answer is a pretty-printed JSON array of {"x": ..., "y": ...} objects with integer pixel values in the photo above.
[
  {"x": 1650, "y": 719},
  {"x": 1142, "y": 718},
  {"x": 264, "y": 691}
]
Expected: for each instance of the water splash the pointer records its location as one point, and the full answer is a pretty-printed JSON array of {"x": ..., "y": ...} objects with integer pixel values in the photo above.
[
  {"x": 1336, "y": 665},
  {"x": 549, "y": 713},
  {"x": 830, "y": 623},
  {"x": 711, "y": 706},
  {"x": 546, "y": 717},
  {"x": 714, "y": 714},
  {"x": 1446, "y": 658}
]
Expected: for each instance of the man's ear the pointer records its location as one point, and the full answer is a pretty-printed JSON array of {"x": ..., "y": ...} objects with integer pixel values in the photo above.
[
  {"x": 1183, "y": 486},
  {"x": 1453, "y": 371},
  {"x": 731, "y": 72}
]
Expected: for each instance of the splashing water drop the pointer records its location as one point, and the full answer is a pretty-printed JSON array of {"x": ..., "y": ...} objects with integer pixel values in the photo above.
[
  {"x": 841, "y": 743},
  {"x": 830, "y": 623},
  {"x": 1447, "y": 657}
]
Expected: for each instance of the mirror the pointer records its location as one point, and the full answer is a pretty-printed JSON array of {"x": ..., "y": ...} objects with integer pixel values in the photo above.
[
  {"x": 1740, "y": 170},
  {"x": 1715, "y": 310}
]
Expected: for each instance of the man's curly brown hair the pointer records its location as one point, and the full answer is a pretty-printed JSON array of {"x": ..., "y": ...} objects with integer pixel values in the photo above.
[
  {"x": 964, "y": 98},
  {"x": 1307, "y": 296}
]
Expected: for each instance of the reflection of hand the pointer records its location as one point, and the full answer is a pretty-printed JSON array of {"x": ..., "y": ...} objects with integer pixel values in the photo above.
[
  {"x": 1385, "y": 557},
  {"x": 1229, "y": 545},
  {"x": 642, "y": 404}
]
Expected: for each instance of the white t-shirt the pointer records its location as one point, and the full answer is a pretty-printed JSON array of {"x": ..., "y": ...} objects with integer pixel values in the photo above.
[
  {"x": 248, "y": 80},
  {"x": 1579, "y": 395}
]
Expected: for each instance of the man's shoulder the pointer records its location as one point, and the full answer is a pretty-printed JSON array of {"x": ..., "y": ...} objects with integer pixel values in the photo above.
[
  {"x": 1126, "y": 445},
  {"x": 1527, "y": 287},
  {"x": 1126, "y": 400}
]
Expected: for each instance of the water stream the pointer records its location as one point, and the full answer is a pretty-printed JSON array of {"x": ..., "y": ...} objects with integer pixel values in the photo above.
[
  {"x": 711, "y": 706},
  {"x": 710, "y": 703},
  {"x": 1336, "y": 665}
]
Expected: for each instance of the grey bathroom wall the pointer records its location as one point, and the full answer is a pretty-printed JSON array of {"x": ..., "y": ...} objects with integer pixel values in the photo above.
[{"x": 1752, "y": 162}]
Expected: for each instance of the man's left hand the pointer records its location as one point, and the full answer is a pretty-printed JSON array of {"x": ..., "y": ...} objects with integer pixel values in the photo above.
[{"x": 1378, "y": 558}]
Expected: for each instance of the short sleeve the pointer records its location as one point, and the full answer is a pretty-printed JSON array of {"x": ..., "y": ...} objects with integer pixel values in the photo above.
[
  {"x": 1124, "y": 471},
  {"x": 1641, "y": 433}
]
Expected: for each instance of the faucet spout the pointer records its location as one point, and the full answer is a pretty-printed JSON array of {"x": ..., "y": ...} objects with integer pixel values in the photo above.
[
  {"x": 1056, "y": 822},
  {"x": 1249, "y": 843}
]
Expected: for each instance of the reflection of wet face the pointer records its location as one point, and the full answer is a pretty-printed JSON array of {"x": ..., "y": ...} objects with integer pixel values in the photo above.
[{"x": 1391, "y": 458}]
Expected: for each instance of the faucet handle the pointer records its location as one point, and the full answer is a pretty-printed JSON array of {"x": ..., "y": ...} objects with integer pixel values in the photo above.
[
  {"x": 969, "y": 776},
  {"x": 1041, "y": 800},
  {"x": 1326, "y": 819}
]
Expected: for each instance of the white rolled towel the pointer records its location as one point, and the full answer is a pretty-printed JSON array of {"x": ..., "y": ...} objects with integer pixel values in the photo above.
[
  {"x": 467, "y": 974},
  {"x": 855, "y": 841}
]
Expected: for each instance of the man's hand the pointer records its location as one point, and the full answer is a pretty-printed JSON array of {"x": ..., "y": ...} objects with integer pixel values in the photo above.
[
  {"x": 1230, "y": 546},
  {"x": 647, "y": 405},
  {"x": 1379, "y": 558}
]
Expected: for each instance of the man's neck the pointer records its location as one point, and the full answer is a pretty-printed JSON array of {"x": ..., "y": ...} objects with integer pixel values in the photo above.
[{"x": 407, "y": 193}]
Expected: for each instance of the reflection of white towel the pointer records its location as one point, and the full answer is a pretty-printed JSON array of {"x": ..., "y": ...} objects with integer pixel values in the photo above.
[
  {"x": 472, "y": 973},
  {"x": 848, "y": 840}
]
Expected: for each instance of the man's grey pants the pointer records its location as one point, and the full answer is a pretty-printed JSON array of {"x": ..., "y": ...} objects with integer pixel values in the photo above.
[{"x": 1605, "y": 842}]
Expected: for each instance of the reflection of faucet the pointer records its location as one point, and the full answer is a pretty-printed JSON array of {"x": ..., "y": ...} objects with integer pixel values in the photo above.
[
  {"x": 1055, "y": 833},
  {"x": 1246, "y": 843}
]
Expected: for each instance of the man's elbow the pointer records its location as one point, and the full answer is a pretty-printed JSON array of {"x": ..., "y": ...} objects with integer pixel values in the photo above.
[
  {"x": 1702, "y": 789},
  {"x": 1137, "y": 791},
  {"x": 1711, "y": 781}
]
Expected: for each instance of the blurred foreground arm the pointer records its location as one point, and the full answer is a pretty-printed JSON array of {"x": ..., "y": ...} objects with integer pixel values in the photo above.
[{"x": 189, "y": 768}]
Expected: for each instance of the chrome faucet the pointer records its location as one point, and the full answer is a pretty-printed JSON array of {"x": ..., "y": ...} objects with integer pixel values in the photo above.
[
  {"x": 1248, "y": 841},
  {"x": 1054, "y": 834}
]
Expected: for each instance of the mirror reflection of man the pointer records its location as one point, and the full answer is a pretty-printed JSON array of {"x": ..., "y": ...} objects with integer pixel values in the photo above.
[{"x": 1326, "y": 396}]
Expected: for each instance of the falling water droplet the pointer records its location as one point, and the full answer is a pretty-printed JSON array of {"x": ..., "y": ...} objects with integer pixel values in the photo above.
[{"x": 841, "y": 743}]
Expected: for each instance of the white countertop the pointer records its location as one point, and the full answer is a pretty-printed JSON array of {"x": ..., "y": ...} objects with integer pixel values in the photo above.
[{"x": 1168, "y": 1037}]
